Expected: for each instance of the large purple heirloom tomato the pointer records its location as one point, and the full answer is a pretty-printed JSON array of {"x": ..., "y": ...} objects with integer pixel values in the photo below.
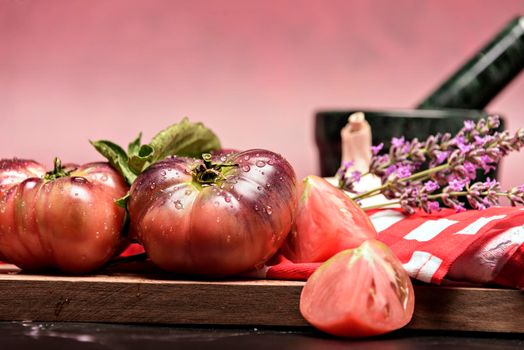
[
  {"x": 65, "y": 219},
  {"x": 219, "y": 216}
]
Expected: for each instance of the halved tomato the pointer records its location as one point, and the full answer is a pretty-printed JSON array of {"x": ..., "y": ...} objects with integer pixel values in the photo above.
[
  {"x": 359, "y": 292},
  {"x": 327, "y": 222}
]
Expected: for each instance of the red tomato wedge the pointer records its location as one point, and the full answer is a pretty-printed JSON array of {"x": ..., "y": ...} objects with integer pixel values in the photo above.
[
  {"x": 359, "y": 292},
  {"x": 327, "y": 222}
]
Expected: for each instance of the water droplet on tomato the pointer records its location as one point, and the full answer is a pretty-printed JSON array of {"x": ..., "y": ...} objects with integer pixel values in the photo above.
[
  {"x": 257, "y": 155},
  {"x": 228, "y": 238},
  {"x": 152, "y": 186},
  {"x": 218, "y": 219},
  {"x": 246, "y": 168},
  {"x": 260, "y": 163},
  {"x": 256, "y": 207},
  {"x": 263, "y": 173},
  {"x": 79, "y": 180},
  {"x": 270, "y": 162},
  {"x": 246, "y": 157},
  {"x": 163, "y": 173},
  {"x": 188, "y": 192},
  {"x": 223, "y": 158},
  {"x": 178, "y": 204},
  {"x": 268, "y": 186},
  {"x": 104, "y": 177},
  {"x": 259, "y": 188},
  {"x": 269, "y": 210}
]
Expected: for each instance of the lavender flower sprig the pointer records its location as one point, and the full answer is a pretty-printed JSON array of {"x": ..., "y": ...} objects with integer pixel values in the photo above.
[{"x": 419, "y": 174}]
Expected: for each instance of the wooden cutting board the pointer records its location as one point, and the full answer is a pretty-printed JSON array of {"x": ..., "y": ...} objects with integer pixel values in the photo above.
[{"x": 125, "y": 297}]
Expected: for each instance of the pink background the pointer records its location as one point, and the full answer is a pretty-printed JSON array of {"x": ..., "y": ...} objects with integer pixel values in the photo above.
[{"x": 254, "y": 72}]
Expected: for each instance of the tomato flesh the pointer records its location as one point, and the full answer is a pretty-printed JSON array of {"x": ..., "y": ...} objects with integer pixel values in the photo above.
[
  {"x": 327, "y": 222},
  {"x": 359, "y": 292}
]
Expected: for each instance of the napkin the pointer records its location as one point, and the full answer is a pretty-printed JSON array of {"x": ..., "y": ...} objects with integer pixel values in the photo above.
[{"x": 474, "y": 246}]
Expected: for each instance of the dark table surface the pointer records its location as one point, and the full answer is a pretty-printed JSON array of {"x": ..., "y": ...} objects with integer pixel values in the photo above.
[{"x": 80, "y": 336}]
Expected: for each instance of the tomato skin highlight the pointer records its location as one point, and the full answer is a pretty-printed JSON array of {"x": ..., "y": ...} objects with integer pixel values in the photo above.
[
  {"x": 359, "y": 292},
  {"x": 327, "y": 222},
  {"x": 222, "y": 228},
  {"x": 70, "y": 223}
]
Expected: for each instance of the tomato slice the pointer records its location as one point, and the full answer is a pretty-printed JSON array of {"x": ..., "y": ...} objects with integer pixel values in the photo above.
[
  {"x": 327, "y": 222},
  {"x": 359, "y": 292}
]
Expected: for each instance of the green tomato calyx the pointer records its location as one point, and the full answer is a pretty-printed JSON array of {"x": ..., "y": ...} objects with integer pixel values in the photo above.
[
  {"x": 208, "y": 172},
  {"x": 58, "y": 171}
]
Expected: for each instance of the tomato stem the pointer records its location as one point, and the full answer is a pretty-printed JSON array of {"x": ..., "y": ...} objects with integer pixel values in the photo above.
[
  {"x": 58, "y": 171},
  {"x": 209, "y": 173}
]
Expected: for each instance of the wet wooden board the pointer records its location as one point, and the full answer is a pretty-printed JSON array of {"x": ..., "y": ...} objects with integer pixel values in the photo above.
[{"x": 157, "y": 299}]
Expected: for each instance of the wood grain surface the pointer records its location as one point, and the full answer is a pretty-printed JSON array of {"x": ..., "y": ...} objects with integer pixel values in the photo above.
[{"x": 155, "y": 298}]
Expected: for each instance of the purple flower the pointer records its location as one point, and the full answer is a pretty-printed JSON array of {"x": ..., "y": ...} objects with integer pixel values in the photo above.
[
  {"x": 431, "y": 186},
  {"x": 459, "y": 207},
  {"x": 417, "y": 173},
  {"x": 390, "y": 169},
  {"x": 403, "y": 171},
  {"x": 355, "y": 176},
  {"x": 471, "y": 170},
  {"x": 469, "y": 125},
  {"x": 376, "y": 149},
  {"x": 441, "y": 156},
  {"x": 464, "y": 148},
  {"x": 348, "y": 164},
  {"x": 480, "y": 141},
  {"x": 457, "y": 184},
  {"x": 491, "y": 183},
  {"x": 480, "y": 206},
  {"x": 398, "y": 142},
  {"x": 485, "y": 163},
  {"x": 462, "y": 144},
  {"x": 433, "y": 206},
  {"x": 493, "y": 121}
]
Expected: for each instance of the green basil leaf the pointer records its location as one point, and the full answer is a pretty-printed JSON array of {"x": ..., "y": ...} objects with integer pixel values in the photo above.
[
  {"x": 134, "y": 146},
  {"x": 140, "y": 161},
  {"x": 122, "y": 202},
  {"x": 184, "y": 139},
  {"x": 116, "y": 156}
]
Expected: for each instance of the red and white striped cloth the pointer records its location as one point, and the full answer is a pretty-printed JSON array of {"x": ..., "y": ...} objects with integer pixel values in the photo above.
[{"x": 484, "y": 247}]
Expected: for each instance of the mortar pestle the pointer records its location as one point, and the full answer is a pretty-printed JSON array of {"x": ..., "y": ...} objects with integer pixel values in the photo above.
[{"x": 460, "y": 97}]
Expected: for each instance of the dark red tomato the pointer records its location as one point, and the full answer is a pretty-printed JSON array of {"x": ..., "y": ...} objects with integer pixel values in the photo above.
[
  {"x": 359, "y": 292},
  {"x": 327, "y": 222},
  {"x": 67, "y": 220},
  {"x": 215, "y": 217}
]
